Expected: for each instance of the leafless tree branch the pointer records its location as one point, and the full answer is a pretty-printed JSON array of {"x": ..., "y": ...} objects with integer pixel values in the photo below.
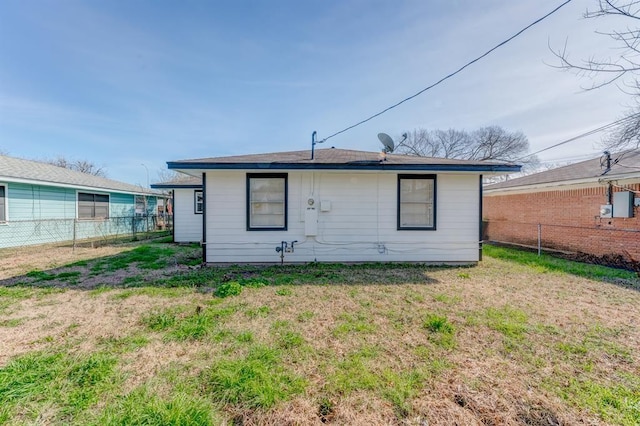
[
  {"x": 83, "y": 166},
  {"x": 622, "y": 70}
]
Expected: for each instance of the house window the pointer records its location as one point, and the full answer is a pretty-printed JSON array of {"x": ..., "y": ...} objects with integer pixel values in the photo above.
[
  {"x": 93, "y": 206},
  {"x": 141, "y": 205},
  {"x": 266, "y": 201},
  {"x": 3, "y": 203},
  {"x": 417, "y": 202},
  {"x": 198, "y": 202}
]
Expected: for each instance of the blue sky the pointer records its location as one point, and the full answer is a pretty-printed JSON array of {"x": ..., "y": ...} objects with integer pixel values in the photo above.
[{"x": 125, "y": 83}]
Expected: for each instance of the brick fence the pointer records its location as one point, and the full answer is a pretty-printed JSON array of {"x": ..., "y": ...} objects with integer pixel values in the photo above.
[{"x": 569, "y": 220}]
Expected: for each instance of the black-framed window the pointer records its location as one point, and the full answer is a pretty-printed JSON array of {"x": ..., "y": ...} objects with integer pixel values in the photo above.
[
  {"x": 93, "y": 206},
  {"x": 266, "y": 201},
  {"x": 198, "y": 202},
  {"x": 3, "y": 203},
  {"x": 417, "y": 202},
  {"x": 141, "y": 205}
]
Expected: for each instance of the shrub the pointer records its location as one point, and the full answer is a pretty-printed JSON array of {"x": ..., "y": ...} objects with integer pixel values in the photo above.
[{"x": 232, "y": 288}]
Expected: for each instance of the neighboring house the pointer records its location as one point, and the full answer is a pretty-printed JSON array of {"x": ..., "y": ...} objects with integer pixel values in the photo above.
[
  {"x": 41, "y": 203},
  {"x": 187, "y": 204},
  {"x": 591, "y": 207},
  {"x": 342, "y": 206}
]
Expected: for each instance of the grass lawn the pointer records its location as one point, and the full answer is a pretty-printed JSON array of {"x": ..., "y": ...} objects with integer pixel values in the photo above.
[{"x": 146, "y": 337}]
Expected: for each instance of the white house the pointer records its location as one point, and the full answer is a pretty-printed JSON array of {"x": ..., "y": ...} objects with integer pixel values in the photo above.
[
  {"x": 341, "y": 206},
  {"x": 188, "y": 207}
]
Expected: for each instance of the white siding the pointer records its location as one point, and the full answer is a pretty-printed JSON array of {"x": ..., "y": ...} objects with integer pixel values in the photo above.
[
  {"x": 360, "y": 227},
  {"x": 187, "y": 225}
]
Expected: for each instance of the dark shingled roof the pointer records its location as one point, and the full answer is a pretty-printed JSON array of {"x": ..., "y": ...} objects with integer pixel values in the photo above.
[
  {"x": 625, "y": 163},
  {"x": 333, "y": 158},
  {"x": 47, "y": 174}
]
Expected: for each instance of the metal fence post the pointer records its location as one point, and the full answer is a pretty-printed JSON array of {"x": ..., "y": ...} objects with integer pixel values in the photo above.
[{"x": 539, "y": 239}]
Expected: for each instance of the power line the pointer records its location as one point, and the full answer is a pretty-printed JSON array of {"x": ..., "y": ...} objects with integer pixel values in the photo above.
[
  {"x": 582, "y": 135},
  {"x": 449, "y": 75},
  {"x": 572, "y": 158}
]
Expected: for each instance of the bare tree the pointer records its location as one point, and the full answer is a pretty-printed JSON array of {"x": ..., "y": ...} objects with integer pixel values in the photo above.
[
  {"x": 486, "y": 143},
  {"x": 622, "y": 69},
  {"x": 166, "y": 175},
  {"x": 83, "y": 166}
]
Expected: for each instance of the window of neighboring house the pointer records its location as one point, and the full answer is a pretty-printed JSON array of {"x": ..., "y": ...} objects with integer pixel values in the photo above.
[
  {"x": 417, "y": 202},
  {"x": 3, "y": 203},
  {"x": 93, "y": 206},
  {"x": 141, "y": 205},
  {"x": 198, "y": 202},
  {"x": 266, "y": 201}
]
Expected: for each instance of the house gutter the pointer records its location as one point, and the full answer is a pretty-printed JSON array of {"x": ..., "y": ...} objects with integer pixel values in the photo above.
[
  {"x": 369, "y": 165},
  {"x": 177, "y": 186},
  {"x": 9, "y": 179}
]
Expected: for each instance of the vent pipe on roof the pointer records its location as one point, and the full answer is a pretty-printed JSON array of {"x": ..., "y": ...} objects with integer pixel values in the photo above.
[{"x": 314, "y": 142}]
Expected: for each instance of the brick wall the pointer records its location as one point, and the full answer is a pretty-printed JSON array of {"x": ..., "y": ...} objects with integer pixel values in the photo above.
[{"x": 570, "y": 220}]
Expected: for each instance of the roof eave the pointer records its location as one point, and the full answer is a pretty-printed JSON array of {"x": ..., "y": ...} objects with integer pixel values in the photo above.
[
  {"x": 495, "y": 168},
  {"x": 175, "y": 186},
  {"x": 561, "y": 183},
  {"x": 11, "y": 179}
]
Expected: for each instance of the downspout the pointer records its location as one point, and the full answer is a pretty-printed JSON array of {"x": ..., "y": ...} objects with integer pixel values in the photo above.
[
  {"x": 204, "y": 218},
  {"x": 480, "y": 227},
  {"x": 173, "y": 216}
]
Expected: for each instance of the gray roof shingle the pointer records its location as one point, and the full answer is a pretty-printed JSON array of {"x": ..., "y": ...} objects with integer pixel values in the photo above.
[
  {"x": 624, "y": 163},
  {"x": 46, "y": 174}
]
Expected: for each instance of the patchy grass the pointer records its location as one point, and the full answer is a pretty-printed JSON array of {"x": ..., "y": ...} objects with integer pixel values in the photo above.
[
  {"x": 69, "y": 384},
  {"x": 442, "y": 332},
  {"x": 144, "y": 257},
  {"x": 618, "y": 400},
  {"x": 258, "y": 380},
  {"x": 141, "y": 407},
  {"x": 507, "y": 342},
  {"x": 547, "y": 263}
]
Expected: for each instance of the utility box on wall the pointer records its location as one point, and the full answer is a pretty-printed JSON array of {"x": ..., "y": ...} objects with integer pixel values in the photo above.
[{"x": 623, "y": 204}]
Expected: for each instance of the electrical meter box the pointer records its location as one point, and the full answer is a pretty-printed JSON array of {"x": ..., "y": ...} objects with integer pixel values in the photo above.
[
  {"x": 605, "y": 211},
  {"x": 623, "y": 204}
]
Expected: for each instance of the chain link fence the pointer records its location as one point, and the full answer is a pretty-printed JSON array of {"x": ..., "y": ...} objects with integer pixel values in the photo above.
[
  {"x": 596, "y": 244},
  {"x": 18, "y": 233}
]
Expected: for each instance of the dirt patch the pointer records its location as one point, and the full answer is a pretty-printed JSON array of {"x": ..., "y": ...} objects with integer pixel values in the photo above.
[
  {"x": 19, "y": 261},
  {"x": 88, "y": 268}
]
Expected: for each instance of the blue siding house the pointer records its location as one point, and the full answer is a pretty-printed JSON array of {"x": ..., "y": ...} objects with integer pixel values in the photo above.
[{"x": 41, "y": 203}]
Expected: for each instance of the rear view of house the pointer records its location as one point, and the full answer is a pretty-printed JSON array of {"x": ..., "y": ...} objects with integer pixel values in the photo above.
[
  {"x": 340, "y": 206},
  {"x": 41, "y": 203},
  {"x": 591, "y": 207}
]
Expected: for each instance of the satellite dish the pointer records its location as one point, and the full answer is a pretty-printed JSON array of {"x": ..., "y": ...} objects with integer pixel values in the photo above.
[{"x": 386, "y": 141}]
